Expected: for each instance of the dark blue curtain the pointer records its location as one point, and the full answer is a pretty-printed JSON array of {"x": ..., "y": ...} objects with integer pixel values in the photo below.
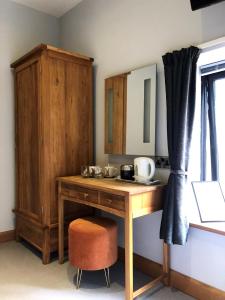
[{"x": 180, "y": 81}]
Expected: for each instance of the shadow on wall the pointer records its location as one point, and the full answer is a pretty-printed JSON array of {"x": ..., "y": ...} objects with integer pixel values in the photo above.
[{"x": 213, "y": 22}]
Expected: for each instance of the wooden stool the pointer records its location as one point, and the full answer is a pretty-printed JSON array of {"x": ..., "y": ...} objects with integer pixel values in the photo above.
[{"x": 93, "y": 245}]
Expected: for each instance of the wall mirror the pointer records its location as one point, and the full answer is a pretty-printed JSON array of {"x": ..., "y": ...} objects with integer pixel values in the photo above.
[{"x": 130, "y": 101}]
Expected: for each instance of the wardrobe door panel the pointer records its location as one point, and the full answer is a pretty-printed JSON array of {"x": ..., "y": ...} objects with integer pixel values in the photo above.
[
  {"x": 78, "y": 114},
  {"x": 55, "y": 155},
  {"x": 27, "y": 141}
]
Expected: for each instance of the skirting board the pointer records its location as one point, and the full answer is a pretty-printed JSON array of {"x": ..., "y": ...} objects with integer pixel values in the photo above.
[
  {"x": 7, "y": 236},
  {"x": 185, "y": 284}
]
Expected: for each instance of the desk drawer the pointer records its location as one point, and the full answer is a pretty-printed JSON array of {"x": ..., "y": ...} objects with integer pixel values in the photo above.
[
  {"x": 113, "y": 201},
  {"x": 80, "y": 193}
]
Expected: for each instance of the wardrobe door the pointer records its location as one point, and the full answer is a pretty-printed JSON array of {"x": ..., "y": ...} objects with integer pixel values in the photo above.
[
  {"x": 67, "y": 129},
  {"x": 78, "y": 127},
  {"x": 53, "y": 130},
  {"x": 27, "y": 141},
  {"x": 78, "y": 115}
]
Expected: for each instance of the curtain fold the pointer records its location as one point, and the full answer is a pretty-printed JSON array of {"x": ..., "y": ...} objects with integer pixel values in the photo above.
[
  {"x": 180, "y": 81},
  {"x": 204, "y": 122},
  {"x": 208, "y": 123},
  {"x": 213, "y": 131}
]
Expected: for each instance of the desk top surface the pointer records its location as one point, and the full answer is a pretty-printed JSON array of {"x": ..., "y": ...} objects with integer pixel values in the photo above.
[{"x": 109, "y": 184}]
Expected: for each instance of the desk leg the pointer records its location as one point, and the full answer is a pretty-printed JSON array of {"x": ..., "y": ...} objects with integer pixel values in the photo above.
[
  {"x": 128, "y": 250},
  {"x": 166, "y": 263},
  {"x": 61, "y": 228}
]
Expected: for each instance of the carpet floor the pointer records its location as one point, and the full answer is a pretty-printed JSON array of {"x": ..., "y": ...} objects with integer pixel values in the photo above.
[{"x": 24, "y": 277}]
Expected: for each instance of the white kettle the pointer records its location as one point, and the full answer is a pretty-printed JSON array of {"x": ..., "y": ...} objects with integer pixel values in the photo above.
[{"x": 144, "y": 169}]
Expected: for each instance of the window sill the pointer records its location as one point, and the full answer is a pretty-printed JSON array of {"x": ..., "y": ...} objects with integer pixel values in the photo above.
[
  {"x": 195, "y": 222},
  {"x": 215, "y": 227}
]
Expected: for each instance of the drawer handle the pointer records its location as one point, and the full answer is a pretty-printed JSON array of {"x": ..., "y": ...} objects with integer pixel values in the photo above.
[
  {"x": 85, "y": 195},
  {"x": 109, "y": 201}
]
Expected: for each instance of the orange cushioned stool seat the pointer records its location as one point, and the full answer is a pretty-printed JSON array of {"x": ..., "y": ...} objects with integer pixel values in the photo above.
[{"x": 92, "y": 245}]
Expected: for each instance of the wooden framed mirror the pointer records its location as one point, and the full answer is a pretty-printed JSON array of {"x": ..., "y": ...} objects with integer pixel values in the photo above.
[{"x": 130, "y": 101}]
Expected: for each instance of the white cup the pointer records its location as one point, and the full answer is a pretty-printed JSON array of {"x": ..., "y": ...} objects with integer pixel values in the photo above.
[
  {"x": 110, "y": 171},
  {"x": 95, "y": 171},
  {"x": 91, "y": 171}
]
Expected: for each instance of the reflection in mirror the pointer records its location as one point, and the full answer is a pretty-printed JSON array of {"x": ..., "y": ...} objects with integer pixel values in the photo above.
[
  {"x": 147, "y": 97},
  {"x": 130, "y": 101},
  {"x": 141, "y": 102},
  {"x": 110, "y": 115}
]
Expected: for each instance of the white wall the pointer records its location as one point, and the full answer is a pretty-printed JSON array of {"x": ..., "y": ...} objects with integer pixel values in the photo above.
[
  {"x": 122, "y": 35},
  {"x": 21, "y": 29},
  {"x": 125, "y": 34}
]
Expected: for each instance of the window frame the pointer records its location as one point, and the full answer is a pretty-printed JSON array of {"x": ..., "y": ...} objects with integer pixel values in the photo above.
[{"x": 214, "y": 227}]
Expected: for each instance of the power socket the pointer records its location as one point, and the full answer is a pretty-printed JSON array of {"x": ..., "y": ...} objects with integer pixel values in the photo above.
[{"x": 162, "y": 162}]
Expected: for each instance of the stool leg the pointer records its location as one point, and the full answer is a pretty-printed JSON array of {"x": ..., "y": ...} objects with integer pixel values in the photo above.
[
  {"x": 107, "y": 278},
  {"x": 79, "y": 275}
]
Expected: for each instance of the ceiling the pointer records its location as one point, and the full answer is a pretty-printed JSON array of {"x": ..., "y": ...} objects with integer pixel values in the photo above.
[{"x": 56, "y": 8}]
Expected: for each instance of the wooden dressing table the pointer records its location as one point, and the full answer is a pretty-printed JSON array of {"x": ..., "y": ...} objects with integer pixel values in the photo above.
[{"x": 125, "y": 200}]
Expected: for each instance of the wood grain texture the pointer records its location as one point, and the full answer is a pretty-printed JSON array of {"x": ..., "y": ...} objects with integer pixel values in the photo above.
[
  {"x": 146, "y": 203},
  {"x": 55, "y": 138},
  {"x": 88, "y": 203},
  {"x": 108, "y": 90},
  {"x": 7, "y": 236},
  {"x": 40, "y": 48},
  {"x": 215, "y": 227},
  {"x": 129, "y": 270},
  {"x": 148, "y": 286},
  {"x": 78, "y": 121},
  {"x": 195, "y": 288},
  {"x": 61, "y": 227},
  {"x": 118, "y": 198},
  {"x": 117, "y": 86},
  {"x": 166, "y": 263},
  {"x": 27, "y": 158},
  {"x": 143, "y": 264},
  {"x": 185, "y": 284},
  {"x": 111, "y": 185},
  {"x": 54, "y": 128}
]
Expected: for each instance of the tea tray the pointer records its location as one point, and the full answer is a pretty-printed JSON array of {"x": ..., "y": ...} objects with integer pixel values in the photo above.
[{"x": 151, "y": 182}]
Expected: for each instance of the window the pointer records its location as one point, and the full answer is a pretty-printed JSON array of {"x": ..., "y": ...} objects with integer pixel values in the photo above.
[
  {"x": 212, "y": 125},
  {"x": 207, "y": 156}
]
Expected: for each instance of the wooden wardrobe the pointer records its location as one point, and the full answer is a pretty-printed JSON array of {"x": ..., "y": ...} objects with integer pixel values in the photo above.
[{"x": 54, "y": 137}]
